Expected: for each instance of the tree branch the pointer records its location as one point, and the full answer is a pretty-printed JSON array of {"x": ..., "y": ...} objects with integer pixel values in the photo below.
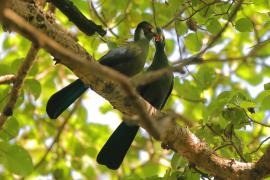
[
  {"x": 16, "y": 89},
  {"x": 74, "y": 15},
  {"x": 7, "y": 79},
  {"x": 118, "y": 90}
]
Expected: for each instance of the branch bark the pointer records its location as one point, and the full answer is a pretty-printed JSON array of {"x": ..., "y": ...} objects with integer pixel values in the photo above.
[
  {"x": 117, "y": 89},
  {"x": 7, "y": 79},
  {"x": 16, "y": 89}
]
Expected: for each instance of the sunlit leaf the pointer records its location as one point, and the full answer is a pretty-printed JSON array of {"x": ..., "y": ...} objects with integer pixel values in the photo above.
[
  {"x": 244, "y": 25},
  {"x": 10, "y": 129},
  {"x": 15, "y": 159},
  {"x": 192, "y": 42},
  {"x": 33, "y": 86},
  {"x": 213, "y": 26}
]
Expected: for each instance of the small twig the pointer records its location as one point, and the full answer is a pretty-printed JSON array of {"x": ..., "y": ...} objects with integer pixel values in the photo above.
[
  {"x": 7, "y": 79},
  {"x": 178, "y": 14},
  {"x": 263, "y": 124},
  {"x": 127, "y": 9},
  {"x": 257, "y": 149},
  {"x": 238, "y": 152},
  {"x": 219, "y": 34},
  {"x": 222, "y": 146},
  {"x": 204, "y": 175},
  {"x": 214, "y": 132},
  {"x": 178, "y": 43},
  {"x": 101, "y": 19},
  {"x": 154, "y": 12},
  {"x": 16, "y": 89},
  {"x": 202, "y": 100}
]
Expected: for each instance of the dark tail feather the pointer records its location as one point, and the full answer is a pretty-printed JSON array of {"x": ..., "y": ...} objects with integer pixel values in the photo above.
[
  {"x": 115, "y": 149},
  {"x": 61, "y": 100}
]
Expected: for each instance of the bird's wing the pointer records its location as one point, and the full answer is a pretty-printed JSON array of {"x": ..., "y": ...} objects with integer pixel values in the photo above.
[{"x": 120, "y": 55}]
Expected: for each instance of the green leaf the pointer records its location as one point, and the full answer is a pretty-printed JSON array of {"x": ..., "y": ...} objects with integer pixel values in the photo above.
[
  {"x": 178, "y": 162},
  {"x": 4, "y": 69},
  {"x": 248, "y": 73},
  {"x": 213, "y": 26},
  {"x": 244, "y": 25},
  {"x": 10, "y": 129},
  {"x": 33, "y": 86},
  {"x": 106, "y": 107},
  {"x": 111, "y": 44},
  {"x": 217, "y": 105},
  {"x": 15, "y": 65},
  {"x": 236, "y": 116},
  {"x": 181, "y": 27},
  {"x": 193, "y": 42},
  {"x": 15, "y": 159},
  {"x": 149, "y": 169},
  {"x": 262, "y": 6},
  {"x": 205, "y": 77},
  {"x": 82, "y": 113},
  {"x": 266, "y": 86},
  {"x": 170, "y": 45},
  {"x": 189, "y": 174},
  {"x": 192, "y": 89},
  {"x": 247, "y": 104},
  {"x": 265, "y": 105}
]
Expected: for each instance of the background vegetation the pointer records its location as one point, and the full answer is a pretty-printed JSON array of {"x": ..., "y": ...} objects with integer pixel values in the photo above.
[{"x": 216, "y": 97}]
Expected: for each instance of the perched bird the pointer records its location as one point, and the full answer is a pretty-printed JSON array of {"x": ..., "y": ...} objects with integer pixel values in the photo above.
[
  {"x": 128, "y": 60},
  {"x": 156, "y": 93}
]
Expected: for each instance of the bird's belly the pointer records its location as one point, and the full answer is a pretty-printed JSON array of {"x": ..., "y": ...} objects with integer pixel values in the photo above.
[{"x": 157, "y": 93}]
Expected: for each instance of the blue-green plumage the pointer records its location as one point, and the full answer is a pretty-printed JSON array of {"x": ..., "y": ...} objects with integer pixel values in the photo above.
[
  {"x": 128, "y": 60},
  {"x": 156, "y": 93}
]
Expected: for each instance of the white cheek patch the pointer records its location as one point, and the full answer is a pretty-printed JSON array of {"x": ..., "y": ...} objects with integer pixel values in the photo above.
[{"x": 142, "y": 34}]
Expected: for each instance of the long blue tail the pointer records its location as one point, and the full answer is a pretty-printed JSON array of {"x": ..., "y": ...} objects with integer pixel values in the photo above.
[
  {"x": 61, "y": 100},
  {"x": 113, "y": 152}
]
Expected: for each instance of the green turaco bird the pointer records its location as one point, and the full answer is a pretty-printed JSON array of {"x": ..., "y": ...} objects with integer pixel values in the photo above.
[
  {"x": 128, "y": 60},
  {"x": 156, "y": 93}
]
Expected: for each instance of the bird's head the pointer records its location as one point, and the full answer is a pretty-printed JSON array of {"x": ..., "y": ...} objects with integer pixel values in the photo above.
[
  {"x": 159, "y": 38},
  {"x": 144, "y": 30}
]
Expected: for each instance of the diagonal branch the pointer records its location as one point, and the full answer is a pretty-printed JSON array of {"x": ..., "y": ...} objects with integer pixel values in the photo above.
[
  {"x": 118, "y": 89},
  {"x": 16, "y": 89},
  {"x": 73, "y": 13}
]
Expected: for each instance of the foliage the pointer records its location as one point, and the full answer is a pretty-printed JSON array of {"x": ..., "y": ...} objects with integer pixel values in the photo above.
[{"x": 218, "y": 96}]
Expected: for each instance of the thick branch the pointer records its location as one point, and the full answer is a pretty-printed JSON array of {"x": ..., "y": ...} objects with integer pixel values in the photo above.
[
  {"x": 117, "y": 89},
  {"x": 73, "y": 13}
]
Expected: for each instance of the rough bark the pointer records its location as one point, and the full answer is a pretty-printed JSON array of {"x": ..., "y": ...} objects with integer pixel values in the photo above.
[{"x": 118, "y": 90}]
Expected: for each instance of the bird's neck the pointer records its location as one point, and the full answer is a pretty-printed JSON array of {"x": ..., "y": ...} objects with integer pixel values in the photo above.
[
  {"x": 160, "y": 59},
  {"x": 143, "y": 44},
  {"x": 141, "y": 40}
]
